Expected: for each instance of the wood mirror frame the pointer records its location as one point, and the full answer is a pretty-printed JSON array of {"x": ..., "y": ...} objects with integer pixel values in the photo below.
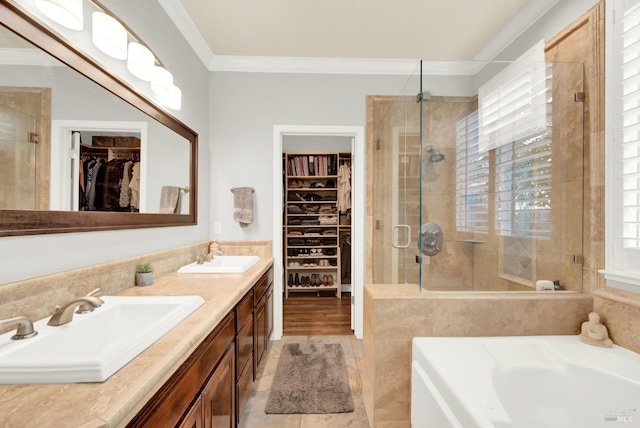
[{"x": 23, "y": 222}]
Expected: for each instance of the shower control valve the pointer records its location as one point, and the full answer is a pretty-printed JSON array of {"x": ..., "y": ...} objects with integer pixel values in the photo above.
[{"x": 431, "y": 239}]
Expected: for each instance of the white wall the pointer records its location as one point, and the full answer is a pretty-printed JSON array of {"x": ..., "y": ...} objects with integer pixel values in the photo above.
[
  {"x": 554, "y": 21},
  {"x": 32, "y": 256},
  {"x": 245, "y": 106},
  {"x": 310, "y": 143}
]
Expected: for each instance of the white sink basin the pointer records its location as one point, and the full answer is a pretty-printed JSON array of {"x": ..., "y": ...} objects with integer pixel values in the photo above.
[
  {"x": 222, "y": 264},
  {"x": 95, "y": 345}
]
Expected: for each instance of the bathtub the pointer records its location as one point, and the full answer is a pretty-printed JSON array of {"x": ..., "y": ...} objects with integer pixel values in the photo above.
[{"x": 522, "y": 382}]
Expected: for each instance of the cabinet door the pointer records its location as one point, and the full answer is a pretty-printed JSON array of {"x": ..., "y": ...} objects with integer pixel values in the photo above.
[
  {"x": 194, "y": 417},
  {"x": 269, "y": 316},
  {"x": 218, "y": 396},
  {"x": 259, "y": 334}
]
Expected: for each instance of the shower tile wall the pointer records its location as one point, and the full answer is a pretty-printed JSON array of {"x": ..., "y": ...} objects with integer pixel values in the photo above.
[
  {"x": 451, "y": 268},
  {"x": 479, "y": 263}
]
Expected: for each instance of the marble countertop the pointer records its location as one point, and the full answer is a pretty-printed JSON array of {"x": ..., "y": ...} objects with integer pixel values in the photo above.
[{"x": 117, "y": 400}]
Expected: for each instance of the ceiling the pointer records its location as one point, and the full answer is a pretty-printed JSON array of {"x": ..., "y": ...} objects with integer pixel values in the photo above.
[{"x": 437, "y": 30}]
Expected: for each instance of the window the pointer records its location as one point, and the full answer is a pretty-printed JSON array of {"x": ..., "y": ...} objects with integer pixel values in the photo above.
[
  {"x": 623, "y": 145},
  {"x": 472, "y": 178},
  {"x": 523, "y": 187},
  {"x": 512, "y": 105}
]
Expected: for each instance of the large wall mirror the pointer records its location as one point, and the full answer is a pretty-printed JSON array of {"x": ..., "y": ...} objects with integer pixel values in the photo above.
[{"x": 80, "y": 149}]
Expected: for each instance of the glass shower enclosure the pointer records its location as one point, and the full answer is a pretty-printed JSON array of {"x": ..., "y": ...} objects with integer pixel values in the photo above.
[{"x": 478, "y": 178}]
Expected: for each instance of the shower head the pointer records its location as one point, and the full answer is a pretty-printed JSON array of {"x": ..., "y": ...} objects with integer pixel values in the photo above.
[{"x": 434, "y": 155}]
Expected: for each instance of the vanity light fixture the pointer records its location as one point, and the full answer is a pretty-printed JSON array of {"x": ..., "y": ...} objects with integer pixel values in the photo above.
[
  {"x": 67, "y": 13},
  {"x": 162, "y": 80},
  {"x": 172, "y": 98},
  {"x": 166, "y": 92},
  {"x": 109, "y": 35},
  {"x": 141, "y": 62}
]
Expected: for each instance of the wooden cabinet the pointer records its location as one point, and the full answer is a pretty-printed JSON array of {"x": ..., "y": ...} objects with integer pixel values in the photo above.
[
  {"x": 211, "y": 388},
  {"x": 172, "y": 403},
  {"x": 218, "y": 395},
  {"x": 244, "y": 351},
  {"x": 262, "y": 318},
  {"x": 193, "y": 419},
  {"x": 311, "y": 222}
]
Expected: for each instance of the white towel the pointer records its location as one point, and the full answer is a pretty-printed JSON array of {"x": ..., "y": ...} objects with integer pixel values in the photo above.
[
  {"x": 243, "y": 204},
  {"x": 170, "y": 200}
]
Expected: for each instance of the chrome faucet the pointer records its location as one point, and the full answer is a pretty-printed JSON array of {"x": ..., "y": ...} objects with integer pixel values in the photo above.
[
  {"x": 65, "y": 313},
  {"x": 25, "y": 327}
]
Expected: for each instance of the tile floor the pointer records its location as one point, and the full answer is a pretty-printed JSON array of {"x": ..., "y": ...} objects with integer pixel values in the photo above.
[{"x": 254, "y": 416}]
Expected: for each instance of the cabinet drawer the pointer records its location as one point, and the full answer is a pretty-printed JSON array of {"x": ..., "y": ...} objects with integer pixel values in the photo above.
[
  {"x": 244, "y": 311},
  {"x": 262, "y": 285}
]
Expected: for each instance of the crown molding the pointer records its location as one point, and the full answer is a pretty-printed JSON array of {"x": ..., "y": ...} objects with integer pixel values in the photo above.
[
  {"x": 310, "y": 65},
  {"x": 178, "y": 14},
  {"x": 269, "y": 64},
  {"x": 530, "y": 15},
  {"x": 263, "y": 64}
]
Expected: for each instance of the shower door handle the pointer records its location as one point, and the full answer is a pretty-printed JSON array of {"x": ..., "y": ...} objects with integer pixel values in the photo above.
[{"x": 393, "y": 235}]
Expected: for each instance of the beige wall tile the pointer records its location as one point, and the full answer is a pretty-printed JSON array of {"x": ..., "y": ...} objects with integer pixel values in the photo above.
[
  {"x": 620, "y": 313},
  {"x": 392, "y": 392}
]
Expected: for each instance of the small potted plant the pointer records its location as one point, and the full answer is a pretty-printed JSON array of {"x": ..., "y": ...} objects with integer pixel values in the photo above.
[{"x": 144, "y": 274}]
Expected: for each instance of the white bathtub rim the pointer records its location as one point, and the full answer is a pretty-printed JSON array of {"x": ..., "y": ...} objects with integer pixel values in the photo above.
[{"x": 477, "y": 402}]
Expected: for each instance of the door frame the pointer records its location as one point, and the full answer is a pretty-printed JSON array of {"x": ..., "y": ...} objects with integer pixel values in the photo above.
[
  {"x": 62, "y": 154},
  {"x": 358, "y": 177}
]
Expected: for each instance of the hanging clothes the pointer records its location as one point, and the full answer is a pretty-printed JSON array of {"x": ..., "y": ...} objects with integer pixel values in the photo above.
[
  {"x": 93, "y": 169},
  {"x": 134, "y": 185},
  {"x": 125, "y": 191},
  {"x": 344, "y": 188}
]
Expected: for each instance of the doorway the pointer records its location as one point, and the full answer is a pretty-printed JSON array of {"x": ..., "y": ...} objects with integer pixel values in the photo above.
[
  {"x": 66, "y": 151},
  {"x": 356, "y": 135}
]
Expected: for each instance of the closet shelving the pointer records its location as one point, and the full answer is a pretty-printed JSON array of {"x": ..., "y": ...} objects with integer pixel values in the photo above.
[
  {"x": 113, "y": 148},
  {"x": 312, "y": 229}
]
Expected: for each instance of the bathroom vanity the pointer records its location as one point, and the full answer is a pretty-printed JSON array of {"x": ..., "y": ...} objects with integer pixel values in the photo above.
[{"x": 198, "y": 374}]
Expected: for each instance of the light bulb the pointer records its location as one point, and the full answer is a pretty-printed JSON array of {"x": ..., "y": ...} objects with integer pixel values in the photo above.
[
  {"x": 172, "y": 98},
  {"x": 162, "y": 81},
  {"x": 67, "y": 13},
  {"x": 141, "y": 61},
  {"x": 109, "y": 35}
]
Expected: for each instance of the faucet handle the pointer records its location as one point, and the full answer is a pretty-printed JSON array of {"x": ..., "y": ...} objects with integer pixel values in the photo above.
[
  {"x": 95, "y": 292},
  {"x": 25, "y": 327},
  {"x": 85, "y": 307}
]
